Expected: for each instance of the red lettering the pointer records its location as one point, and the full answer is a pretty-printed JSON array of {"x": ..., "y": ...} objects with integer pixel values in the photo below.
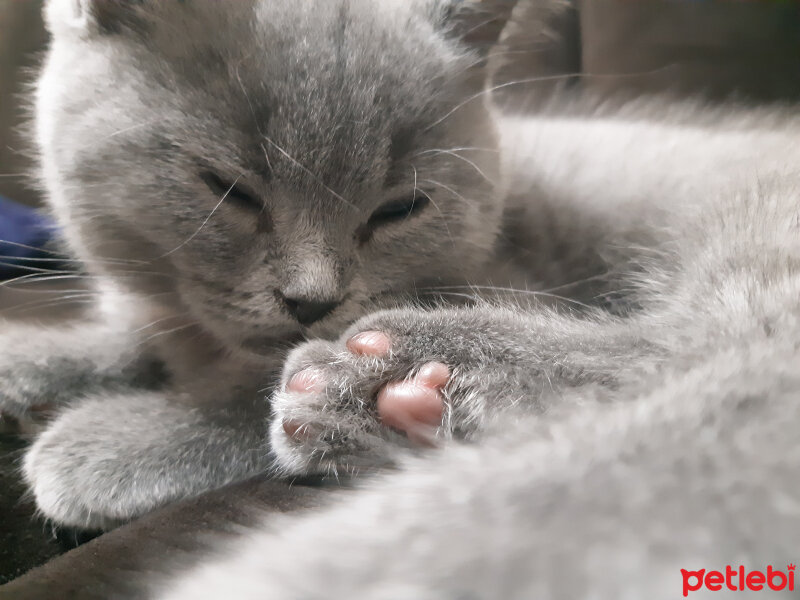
[
  {"x": 755, "y": 580},
  {"x": 714, "y": 581},
  {"x": 688, "y": 587},
  {"x": 771, "y": 575},
  {"x": 729, "y": 575}
]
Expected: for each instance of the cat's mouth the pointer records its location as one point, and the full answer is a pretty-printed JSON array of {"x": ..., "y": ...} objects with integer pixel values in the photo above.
[{"x": 263, "y": 344}]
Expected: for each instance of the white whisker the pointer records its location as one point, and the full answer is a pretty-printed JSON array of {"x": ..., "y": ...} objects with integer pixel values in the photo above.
[
  {"x": 436, "y": 206},
  {"x": 205, "y": 222}
]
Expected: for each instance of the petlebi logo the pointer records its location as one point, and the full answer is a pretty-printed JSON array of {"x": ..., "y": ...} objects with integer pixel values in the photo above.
[{"x": 739, "y": 579}]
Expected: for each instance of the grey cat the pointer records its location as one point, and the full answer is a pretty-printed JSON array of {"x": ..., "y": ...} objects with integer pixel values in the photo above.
[
  {"x": 241, "y": 176},
  {"x": 233, "y": 189}
]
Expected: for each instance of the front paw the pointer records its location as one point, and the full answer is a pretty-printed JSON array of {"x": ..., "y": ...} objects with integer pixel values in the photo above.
[{"x": 402, "y": 377}]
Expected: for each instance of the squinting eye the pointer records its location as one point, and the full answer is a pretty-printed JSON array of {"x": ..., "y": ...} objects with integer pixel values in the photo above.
[
  {"x": 391, "y": 212},
  {"x": 232, "y": 193},
  {"x": 398, "y": 210},
  {"x": 235, "y": 194}
]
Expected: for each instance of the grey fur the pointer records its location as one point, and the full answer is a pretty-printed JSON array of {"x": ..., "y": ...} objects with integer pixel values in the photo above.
[
  {"x": 322, "y": 112},
  {"x": 607, "y": 445},
  {"x": 611, "y": 450}
]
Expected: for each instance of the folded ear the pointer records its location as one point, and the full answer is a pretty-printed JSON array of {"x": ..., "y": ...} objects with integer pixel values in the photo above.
[
  {"x": 538, "y": 54},
  {"x": 97, "y": 16},
  {"x": 478, "y": 23}
]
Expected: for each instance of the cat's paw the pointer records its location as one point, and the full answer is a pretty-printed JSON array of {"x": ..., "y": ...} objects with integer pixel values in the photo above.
[
  {"x": 63, "y": 472},
  {"x": 112, "y": 458},
  {"x": 403, "y": 377}
]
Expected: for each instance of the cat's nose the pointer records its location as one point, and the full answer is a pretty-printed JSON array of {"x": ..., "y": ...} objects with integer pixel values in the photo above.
[{"x": 307, "y": 310}]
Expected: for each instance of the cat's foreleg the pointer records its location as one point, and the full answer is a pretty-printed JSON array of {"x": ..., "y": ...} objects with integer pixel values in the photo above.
[
  {"x": 109, "y": 459},
  {"x": 57, "y": 365},
  {"x": 424, "y": 375}
]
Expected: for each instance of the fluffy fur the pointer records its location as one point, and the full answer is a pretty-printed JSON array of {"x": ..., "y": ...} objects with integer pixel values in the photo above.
[
  {"x": 662, "y": 439},
  {"x": 207, "y": 163},
  {"x": 646, "y": 425}
]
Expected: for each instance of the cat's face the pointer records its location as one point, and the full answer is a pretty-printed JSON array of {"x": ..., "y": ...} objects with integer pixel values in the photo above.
[{"x": 280, "y": 165}]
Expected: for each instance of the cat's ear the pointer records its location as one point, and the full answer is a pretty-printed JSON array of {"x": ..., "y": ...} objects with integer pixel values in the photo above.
[
  {"x": 477, "y": 23},
  {"x": 101, "y": 17}
]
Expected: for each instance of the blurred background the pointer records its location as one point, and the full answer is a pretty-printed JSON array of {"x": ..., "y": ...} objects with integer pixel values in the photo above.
[
  {"x": 22, "y": 37},
  {"x": 748, "y": 51}
]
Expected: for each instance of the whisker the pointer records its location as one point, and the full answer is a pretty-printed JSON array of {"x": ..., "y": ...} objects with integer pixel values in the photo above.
[
  {"x": 449, "y": 189},
  {"x": 510, "y": 291},
  {"x": 58, "y": 255},
  {"x": 311, "y": 174},
  {"x": 66, "y": 301},
  {"x": 540, "y": 79},
  {"x": 281, "y": 150},
  {"x": 455, "y": 294},
  {"x": 31, "y": 268},
  {"x": 470, "y": 163},
  {"x": 156, "y": 322},
  {"x": 167, "y": 332},
  {"x": 18, "y": 245},
  {"x": 456, "y": 149},
  {"x": 489, "y": 90},
  {"x": 435, "y": 205},
  {"x": 203, "y": 224},
  {"x": 38, "y": 277},
  {"x": 34, "y": 259},
  {"x": 33, "y": 290},
  {"x": 131, "y": 128},
  {"x": 78, "y": 294},
  {"x": 600, "y": 276}
]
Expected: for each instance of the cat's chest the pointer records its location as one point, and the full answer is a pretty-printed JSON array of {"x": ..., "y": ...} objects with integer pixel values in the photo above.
[{"x": 199, "y": 370}]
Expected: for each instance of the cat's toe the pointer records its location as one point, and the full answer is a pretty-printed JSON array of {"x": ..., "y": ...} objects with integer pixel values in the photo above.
[
  {"x": 370, "y": 343},
  {"x": 324, "y": 413},
  {"x": 348, "y": 405},
  {"x": 301, "y": 388},
  {"x": 416, "y": 406},
  {"x": 60, "y": 496},
  {"x": 317, "y": 433},
  {"x": 309, "y": 379}
]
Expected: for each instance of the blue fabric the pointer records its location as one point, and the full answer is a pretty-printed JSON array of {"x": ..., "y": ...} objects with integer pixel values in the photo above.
[{"x": 24, "y": 233}]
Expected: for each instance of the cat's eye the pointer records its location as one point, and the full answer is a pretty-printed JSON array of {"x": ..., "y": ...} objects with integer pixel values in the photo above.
[
  {"x": 237, "y": 195},
  {"x": 231, "y": 191},
  {"x": 391, "y": 212},
  {"x": 398, "y": 210}
]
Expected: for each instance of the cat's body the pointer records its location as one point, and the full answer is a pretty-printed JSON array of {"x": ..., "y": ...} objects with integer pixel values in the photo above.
[
  {"x": 615, "y": 447},
  {"x": 669, "y": 436},
  {"x": 207, "y": 292}
]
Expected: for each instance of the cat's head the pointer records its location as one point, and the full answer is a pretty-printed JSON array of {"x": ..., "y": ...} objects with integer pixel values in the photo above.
[{"x": 277, "y": 165}]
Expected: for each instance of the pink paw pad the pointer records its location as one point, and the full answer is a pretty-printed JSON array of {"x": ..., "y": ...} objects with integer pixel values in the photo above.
[
  {"x": 369, "y": 343},
  {"x": 297, "y": 431},
  {"x": 303, "y": 382},
  {"x": 416, "y": 406},
  {"x": 307, "y": 380}
]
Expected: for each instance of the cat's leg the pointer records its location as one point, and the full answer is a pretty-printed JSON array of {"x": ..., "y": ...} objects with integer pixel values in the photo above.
[
  {"x": 448, "y": 372},
  {"x": 603, "y": 502},
  {"x": 56, "y": 365},
  {"x": 111, "y": 458}
]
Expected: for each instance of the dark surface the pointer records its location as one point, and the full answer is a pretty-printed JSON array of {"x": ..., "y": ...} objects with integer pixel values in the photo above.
[
  {"x": 120, "y": 564},
  {"x": 24, "y": 540}
]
